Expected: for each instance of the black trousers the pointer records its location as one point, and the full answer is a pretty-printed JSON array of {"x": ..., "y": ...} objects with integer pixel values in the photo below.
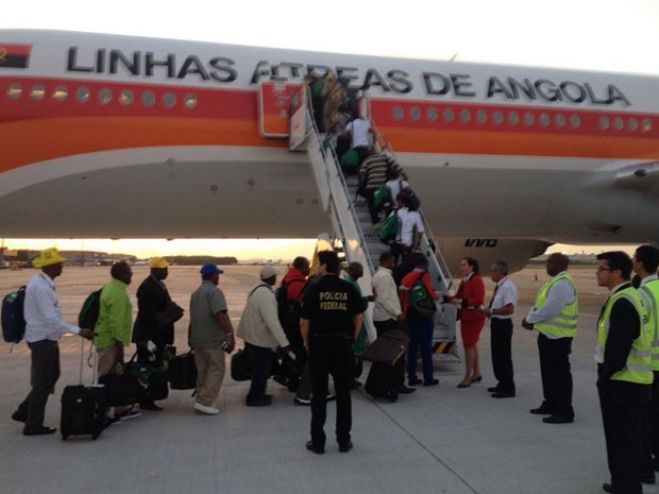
[
  {"x": 651, "y": 435},
  {"x": 44, "y": 373},
  {"x": 556, "y": 374},
  {"x": 261, "y": 363},
  {"x": 330, "y": 355},
  {"x": 370, "y": 201},
  {"x": 622, "y": 406},
  {"x": 502, "y": 362}
]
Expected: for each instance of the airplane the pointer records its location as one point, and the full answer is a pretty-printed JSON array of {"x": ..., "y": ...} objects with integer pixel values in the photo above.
[{"x": 105, "y": 136}]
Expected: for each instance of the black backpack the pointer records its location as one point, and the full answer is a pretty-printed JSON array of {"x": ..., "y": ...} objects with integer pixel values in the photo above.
[
  {"x": 13, "y": 317},
  {"x": 91, "y": 308}
]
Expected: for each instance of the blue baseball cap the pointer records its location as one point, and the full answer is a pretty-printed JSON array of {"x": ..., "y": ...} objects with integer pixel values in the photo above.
[{"x": 210, "y": 268}]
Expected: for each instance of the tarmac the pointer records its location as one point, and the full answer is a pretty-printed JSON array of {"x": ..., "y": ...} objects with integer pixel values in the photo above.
[{"x": 436, "y": 440}]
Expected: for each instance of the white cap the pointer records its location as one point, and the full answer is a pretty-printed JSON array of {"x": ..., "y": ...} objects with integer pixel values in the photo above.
[{"x": 267, "y": 272}]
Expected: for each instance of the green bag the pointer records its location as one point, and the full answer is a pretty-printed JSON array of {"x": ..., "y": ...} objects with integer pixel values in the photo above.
[
  {"x": 360, "y": 343},
  {"x": 421, "y": 303},
  {"x": 389, "y": 228},
  {"x": 241, "y": 366},
  {"x": 350, "y": 159},
  {"x": 381, "y": 195}
]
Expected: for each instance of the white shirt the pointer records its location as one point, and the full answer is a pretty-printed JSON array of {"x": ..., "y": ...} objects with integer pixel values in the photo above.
[
  {"x": 359, "y": 129},
  {"x": 408, "y": 220},
  {"x": 43, "y": 316},
  {"x": 395, "y": 186},
  {"x": 559, "y": 295},
  {"x": 387, "y": 304},
  {"x": 506, "y": 294}
]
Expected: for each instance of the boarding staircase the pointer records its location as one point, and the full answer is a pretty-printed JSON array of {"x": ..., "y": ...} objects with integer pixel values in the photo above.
[{"x": 351, "y": 221}]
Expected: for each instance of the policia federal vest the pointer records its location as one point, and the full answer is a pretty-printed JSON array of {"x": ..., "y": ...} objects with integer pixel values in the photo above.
[
  {"x": 563, "y": 325},
  {"x": 637, "y": 369},
  {"x": 650, "y": 296}
]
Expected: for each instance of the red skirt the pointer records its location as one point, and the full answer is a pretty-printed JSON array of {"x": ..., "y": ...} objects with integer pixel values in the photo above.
[{"x": 471, "y": 331}]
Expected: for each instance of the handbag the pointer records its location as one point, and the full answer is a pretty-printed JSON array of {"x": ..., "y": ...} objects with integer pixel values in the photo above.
[
  {"x": 121, "y": 389},
  {"x": 182, "y": 372},
  {"x": 241, "y": 366},
  {"x": 170, "y": 314}
]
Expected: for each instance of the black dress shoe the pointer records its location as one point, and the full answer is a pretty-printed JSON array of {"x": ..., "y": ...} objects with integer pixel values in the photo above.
[
  {"x": 501, "y": 394},
  {"x": 558, "y": 419},
  {"x": 414, "y": 381},
  {"x": 319, "y": 450},
  {"x": 344, "y": 448},
  {"x": 464, "y": 385},
  {"x": 607, "y": 487},
  {"x": 39, "y": 431},
  {"x": 18, "y": 417},
  {"x": 405, "y": 390},
  {"x": 541, "y": 410},
  {"x": 432, "y": 382},
  {"x": 265, "y": 401},
  {"x": 493, "y": 389},
  {"x": 648, "y": 479}
]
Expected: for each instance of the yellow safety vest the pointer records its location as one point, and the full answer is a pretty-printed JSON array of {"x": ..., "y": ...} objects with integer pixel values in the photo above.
[
  {"x": 563, "y": 325},
  {"x": 637, "y": 368},
  {"x": 650, "y": 296}
]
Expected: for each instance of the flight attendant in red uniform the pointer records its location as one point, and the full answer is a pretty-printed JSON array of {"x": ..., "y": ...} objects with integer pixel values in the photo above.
[{"x": 470, "y": 297}]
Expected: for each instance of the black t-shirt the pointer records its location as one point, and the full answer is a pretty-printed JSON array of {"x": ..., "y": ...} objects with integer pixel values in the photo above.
[{"x": 330, "y": 305}]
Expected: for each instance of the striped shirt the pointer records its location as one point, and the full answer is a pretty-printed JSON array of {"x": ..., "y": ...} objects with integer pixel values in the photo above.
[{"x": 375, "y": 169}]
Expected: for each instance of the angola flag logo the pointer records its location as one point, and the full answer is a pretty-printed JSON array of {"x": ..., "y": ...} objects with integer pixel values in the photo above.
[{"x": 14, "y": 56}]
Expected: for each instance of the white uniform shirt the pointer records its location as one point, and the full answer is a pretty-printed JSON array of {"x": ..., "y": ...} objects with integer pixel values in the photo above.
[
  {"x": 43, "y": 316},
  {"x": 387, "y": 303},
  {"x": 359, "y": 129},
  {"x": 559, "y": 295},
  {"x": 408, "y": 220},
  {"x": 506, "y": 294}
]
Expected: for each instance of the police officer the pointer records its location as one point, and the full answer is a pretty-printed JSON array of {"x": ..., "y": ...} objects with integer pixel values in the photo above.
[
  {"x": 554, "y": 315},
  {"x": 624, "y": 373},
  {"x": 331, "y": 317},
  {"x": 646, "y": 262}
]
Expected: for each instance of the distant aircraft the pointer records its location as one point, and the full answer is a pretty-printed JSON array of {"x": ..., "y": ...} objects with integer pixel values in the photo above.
[{"x": 112, "y": 136}]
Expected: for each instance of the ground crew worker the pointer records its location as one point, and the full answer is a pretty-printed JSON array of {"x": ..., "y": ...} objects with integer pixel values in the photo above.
[
  {"x": 331, "y": 317},
  {"x": 646, "y": 262},
  {"x": 43, "y": 329},
  {"x": 624, "y": 374},
  {"x": 554, "y": 315}
]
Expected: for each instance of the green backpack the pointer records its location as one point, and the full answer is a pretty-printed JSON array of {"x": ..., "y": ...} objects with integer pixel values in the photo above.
[
  {"x": 350, "y": 159},
  {"x": 389, "y": 228},
  {"x": 381, "y": 195},
  {"x": 421, "y": 303}
]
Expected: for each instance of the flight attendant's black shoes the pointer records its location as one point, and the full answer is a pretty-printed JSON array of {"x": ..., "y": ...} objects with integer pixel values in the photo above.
[{"x": 558, "y": 419}]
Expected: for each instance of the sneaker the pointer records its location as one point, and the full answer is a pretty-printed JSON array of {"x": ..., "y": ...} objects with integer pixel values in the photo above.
[
  {"x": 305, "y": 402},
  {"x": 205, "y": 409},
  {"x": 127, "y": 415}
]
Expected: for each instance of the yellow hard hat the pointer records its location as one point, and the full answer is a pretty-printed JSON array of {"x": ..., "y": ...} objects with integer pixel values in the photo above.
[
  {"x": 48, "y": 257},
  {"x": 158, "y": 263}
]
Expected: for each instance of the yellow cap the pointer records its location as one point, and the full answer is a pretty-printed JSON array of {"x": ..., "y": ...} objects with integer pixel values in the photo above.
[
  {"x": 158, "y": 263},
  {"x": 48, "y": 257}
]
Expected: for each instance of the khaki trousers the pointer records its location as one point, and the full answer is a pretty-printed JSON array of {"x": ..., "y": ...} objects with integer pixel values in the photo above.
[
  {"x": 210, "y": 374},
  {"x": 108, "y": 358}
]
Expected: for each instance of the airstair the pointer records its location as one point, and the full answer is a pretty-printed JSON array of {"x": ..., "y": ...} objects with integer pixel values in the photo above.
[{"x": 351, "y": 221}]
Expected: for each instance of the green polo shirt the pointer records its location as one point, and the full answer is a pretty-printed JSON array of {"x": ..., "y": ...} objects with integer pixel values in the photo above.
[{"x": 115, "y": 315}]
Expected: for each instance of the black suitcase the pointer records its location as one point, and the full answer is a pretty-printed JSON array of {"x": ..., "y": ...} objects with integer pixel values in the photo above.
[
  {"x": 182, "y": 372},
  {"x": 385, "y": 380},
  {"x": 83, "y": 411},
  {"x": 121, "y": 389}
]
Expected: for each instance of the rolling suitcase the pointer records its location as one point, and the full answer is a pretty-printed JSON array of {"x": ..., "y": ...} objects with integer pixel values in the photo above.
[
  {"x": 182, "y": 372},
  {"x": 385, "y": 380},
  {"x": 83, "y": 408}
]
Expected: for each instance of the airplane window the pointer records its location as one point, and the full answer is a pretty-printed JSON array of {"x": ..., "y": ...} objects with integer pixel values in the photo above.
[
  {"x": 190, "y": 101},
  {"x": 632, "y": 124},
  {"x": 148, "y": 98},
  {"x": 60, "y": 93},
  {"x": 575, "y": 121},
  {"x": 415, "y": 113},
  {"x": 449, "y": 115},
  {"x": 14, "y": 90},
  {"x": 431, "y": 114},
  {"x": 529, "y": 119},
  {"x": 618, "y": 123},
  {"x": 559, "y": 120},
  {"x": 481, "y": 116},
  {"x": 497, "y": 117},
  {"x": 646, "y": 125},
  {"x": 38, "y": 92},
  {"x": 604, "y": 123},
  {"x": 169, "y": 99},
  {"x": 399, "y": 113},
  {"x": 513, "y": 118},
  {"x": 465, "y": 116},
  {"x": 105, "y": 96},
  {"x": 544, "y": 119},
  {"x": 83, "y": 94},
  {"x": 126, "y": 97}
]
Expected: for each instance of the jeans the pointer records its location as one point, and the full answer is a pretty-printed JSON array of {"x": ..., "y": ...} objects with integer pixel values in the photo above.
[{"x": 420, "y": 330}]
